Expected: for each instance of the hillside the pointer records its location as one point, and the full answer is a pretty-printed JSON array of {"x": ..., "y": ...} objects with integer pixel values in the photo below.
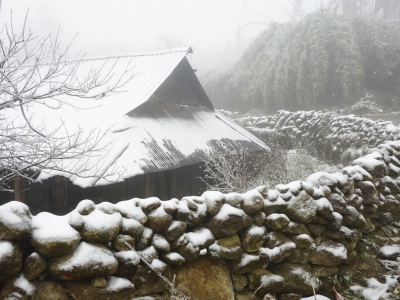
[{"x": 323, "y": 61}]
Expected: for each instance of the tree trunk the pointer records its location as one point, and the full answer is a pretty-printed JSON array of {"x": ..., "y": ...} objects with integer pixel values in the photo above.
[{"x": 19, "y": 189}]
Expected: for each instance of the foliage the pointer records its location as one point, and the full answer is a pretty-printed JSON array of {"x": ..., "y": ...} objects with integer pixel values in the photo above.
[
  {"x": 231, "y": 170},
  {"x": 321, "y": 61}
]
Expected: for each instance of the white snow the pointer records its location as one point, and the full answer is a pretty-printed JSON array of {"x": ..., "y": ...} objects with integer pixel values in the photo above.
[
  {"x": 89, "y": 256},
  {"x": 6, "y": 249},
  {"x": 226, "y": 211},
  {"x": 130, "y": 209},
  {"x": 116, "y": 284},
  {"x": 389, "y": 250},
  {"x": 15, "y": 214},
  {"x": 376, "y": 290},
  {"x": 49, "y": 228},
  {"x": 337, "y": 250},
  {"x": 200, "y": 237},
  {"x": 318, "y": 297},
  {"x": 22, "y": 283},
  {"x": 99, "y": 221}
]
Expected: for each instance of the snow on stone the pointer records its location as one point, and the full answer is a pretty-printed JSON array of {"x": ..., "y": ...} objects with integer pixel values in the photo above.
[
  {"x": 376, "y": 290},
  {"x": 316, "y": 297},
  {"x": 86, "y": 254},
  {"x": 130, "y": 209},
  {"x": 22, "y": 283},
  {"x": 116, "y": 284},
  {"x": 97, "y": 220},
  {"x": 338, "y": 251},
  {"x": 6, "y": 249},
  {"x": 226, "y": 211},
  {"x": 200, "y": 237},
  {"x": 15, "y": 214},
  {"x": 389, "y": 250},
  {"x": 48, "y": 228}
]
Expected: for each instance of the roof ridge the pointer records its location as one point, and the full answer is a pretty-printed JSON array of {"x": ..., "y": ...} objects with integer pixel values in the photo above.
[{"x": 151, "y": 53}]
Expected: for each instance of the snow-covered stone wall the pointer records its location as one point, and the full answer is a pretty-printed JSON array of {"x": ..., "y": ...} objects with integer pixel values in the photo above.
[
  {"x": 336, "y": 137},
  {"x": 264, "y": 241}
]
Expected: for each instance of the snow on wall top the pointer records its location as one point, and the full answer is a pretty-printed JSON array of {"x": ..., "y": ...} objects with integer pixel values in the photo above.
[{"x": 138, "y": 134}]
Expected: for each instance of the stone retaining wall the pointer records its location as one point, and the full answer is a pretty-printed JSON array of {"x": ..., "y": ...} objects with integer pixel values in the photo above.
[
  {"x": 216, "y": 246},
  {"x": 329, "y": 133}
]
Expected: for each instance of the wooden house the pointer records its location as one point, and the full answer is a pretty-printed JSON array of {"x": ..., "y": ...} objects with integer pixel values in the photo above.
[{"x": 155, "y": 131}]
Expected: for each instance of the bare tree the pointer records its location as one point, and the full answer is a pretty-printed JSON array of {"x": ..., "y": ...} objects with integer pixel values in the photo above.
[{"x": 37, "y": 71}]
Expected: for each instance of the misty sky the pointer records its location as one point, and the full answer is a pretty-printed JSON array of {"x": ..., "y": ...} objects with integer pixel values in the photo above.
[{"x": 217, "y": 30}]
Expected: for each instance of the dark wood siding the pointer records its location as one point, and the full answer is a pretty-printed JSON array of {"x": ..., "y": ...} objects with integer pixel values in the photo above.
[{"x": 59, "y": 196}]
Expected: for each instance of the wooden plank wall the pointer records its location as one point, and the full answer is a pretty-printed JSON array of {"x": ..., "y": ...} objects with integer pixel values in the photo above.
[{"x": 60, "y": 196}]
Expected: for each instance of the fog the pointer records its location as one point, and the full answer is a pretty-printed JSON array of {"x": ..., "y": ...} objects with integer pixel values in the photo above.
[{"x": 217, "y": 30}]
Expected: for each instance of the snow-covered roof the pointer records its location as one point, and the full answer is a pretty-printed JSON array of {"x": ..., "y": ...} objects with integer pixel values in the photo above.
[{"x": 141, "y": 134}]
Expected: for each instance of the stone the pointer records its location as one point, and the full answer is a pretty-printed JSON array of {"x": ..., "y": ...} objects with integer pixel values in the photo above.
[
  {"x": 253, "y": 201},
  {"x": 100, "y": 227},
  {"x": 34, "y": 265},
  {"x": 214, "y": 201},
  {"x": 276, "y": 238},
  {"x": 131, "y": 227},
  {"x": 130, "y": 209},
  {"x": 98, "y": 282},
  {"x": 226, "y": 248},
  {"x": 123, "y": 242},
  {"x": 50, "y": 289},
  {"x": 234, "y": 199},
  {"x": 200, "y": 237},
  {"x": 161, "y": 267},
  {"x": 144, "y": 239},
  {"x": 239, "y": 282},
  {"x": 336, "y": 223},
  {"x": 159, "y": 220},
  {"x": 315, "y": 229},
  {"x": 87, "y": 260},
  {"x": 147, "y": 282},
  {"x": 127, "y": 262},
  {"x": 273, "y": 206},
  {"x": 324, "y": 208},
  {"x": 10, "y": 260},
  {"x": 376, "y": 168},
  {"x": 251, "y": 261},
  {"x": 19, "y": 288},
  {"x": 391, "y": 252},
  {"x": 197, "y": 211},
  {"x": 15, "y": 221},
  {"x": 329, "y": 253},
  {"x": 212, "y": 278},
  {"x": 301, "y": 208},
  {"x": 369, "y": 226},
  {"x": 160, "y": 243},
  {"x": 302, "y": 241},
  {"x": 290, "y": 296},
  {"x": 148, "y": 254},
  {"x": 117, "y": 289},
  {"x": 295, "y": 228},
  {"x": 296, "y": 277},
  {"x": 253, "y": 238},
  {"x": 352, "y": 218},
  {"x": 174, "y": 258},
  {"x": 149, "y": 204},
  {"x": 301, "y": 256},
  {"x": 176, "y": 229},
  {"x": 276, "y": 221},
  {"x": 228, "y": 221},
  {"x": 324, "y": 271},
  {"x": 264, "y": 282},
  {"x": 259, "y": 218},
  {"x": 189, "y": 252},
  {"x": 85, "y": 207},
  {"x": 60, "y": 240},
  {"x": 170, "y": 206}
]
